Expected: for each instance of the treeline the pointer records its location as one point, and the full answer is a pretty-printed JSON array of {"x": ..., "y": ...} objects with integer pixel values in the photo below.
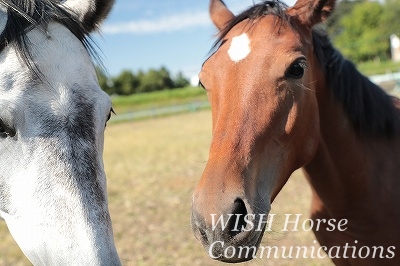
[
  {"x": 128, "y": 82},
  {"x": 361, "y": 29}
]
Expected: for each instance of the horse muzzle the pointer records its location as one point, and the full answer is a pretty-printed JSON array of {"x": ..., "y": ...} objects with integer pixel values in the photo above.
[{"x": 230, "y": 236}]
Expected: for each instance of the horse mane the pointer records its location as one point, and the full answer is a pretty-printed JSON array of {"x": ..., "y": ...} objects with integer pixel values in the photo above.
[
  {"x": 371, "y": 110},
  {"x": 24, "y": 15}
]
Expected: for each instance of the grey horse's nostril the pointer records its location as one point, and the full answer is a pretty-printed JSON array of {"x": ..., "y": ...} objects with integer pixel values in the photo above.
[
  {"x": 203, "y": 235},
  {"x": 237, "y": 223}
]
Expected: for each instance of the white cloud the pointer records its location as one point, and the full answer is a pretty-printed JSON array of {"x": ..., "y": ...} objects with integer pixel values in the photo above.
[
  {"x": 171, "y": 23},
  {"x": 162, "y": 24}
]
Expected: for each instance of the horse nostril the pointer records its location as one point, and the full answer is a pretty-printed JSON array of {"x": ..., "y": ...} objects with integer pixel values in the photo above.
[
  {"x": 237, "y": 222},
  {"x": 203, "y": 235}
]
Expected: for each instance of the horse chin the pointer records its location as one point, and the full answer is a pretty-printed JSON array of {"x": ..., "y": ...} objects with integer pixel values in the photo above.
[{"x": 241, "y": 248}]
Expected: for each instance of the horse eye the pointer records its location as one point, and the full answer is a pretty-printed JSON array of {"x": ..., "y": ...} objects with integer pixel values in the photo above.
[
  {"x": 296, "y": 70},
  {"x": 201, "y": 85},
  {"x": 109, "y": 115},
  {"x": 6, "y": 131},
  {"x": 2, "y": 131}
]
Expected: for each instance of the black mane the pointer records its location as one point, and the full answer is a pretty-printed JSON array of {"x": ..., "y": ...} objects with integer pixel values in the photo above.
[
  {"x": 23, "y": 15},
  {"x": 370, "y": 109}
]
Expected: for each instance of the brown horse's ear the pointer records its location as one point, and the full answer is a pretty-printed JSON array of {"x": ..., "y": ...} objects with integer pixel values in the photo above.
[
  {"x": 312, "y": 12},
  {"x": 220, "y": 14}
]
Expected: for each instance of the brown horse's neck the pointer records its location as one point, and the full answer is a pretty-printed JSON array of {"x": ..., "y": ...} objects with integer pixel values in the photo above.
[{"x": 351, "y": 174}]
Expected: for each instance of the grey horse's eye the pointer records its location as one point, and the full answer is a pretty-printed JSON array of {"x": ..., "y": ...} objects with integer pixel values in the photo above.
[
  {"x": 6, "y": 131},
  {"x": 2, "y": 131},
  {"x": 112, "y": 112}
]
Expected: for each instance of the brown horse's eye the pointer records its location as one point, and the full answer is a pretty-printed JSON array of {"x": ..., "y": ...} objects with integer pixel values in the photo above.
[
  {"x": 201, "y": 85},
  {"x": 296, "y": 70}
]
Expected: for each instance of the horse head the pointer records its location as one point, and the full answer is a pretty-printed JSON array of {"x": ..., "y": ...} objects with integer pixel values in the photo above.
[
  {"x": 52, "y": 119},
  {"x": 260, "y": 81}
]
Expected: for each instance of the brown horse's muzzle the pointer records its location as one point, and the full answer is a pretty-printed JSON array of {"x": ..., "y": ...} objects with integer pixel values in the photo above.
[{"x": 227, "y": 226}]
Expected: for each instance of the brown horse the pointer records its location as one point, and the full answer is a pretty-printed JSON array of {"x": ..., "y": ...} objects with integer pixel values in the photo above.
[{"x": 283, "y": 98}]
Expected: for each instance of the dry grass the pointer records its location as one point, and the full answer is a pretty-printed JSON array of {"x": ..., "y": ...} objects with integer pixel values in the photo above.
[{"x": 152, "y": 167}]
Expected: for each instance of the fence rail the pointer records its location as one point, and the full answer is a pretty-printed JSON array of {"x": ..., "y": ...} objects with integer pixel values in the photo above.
[{"x": 385, "y": 77}]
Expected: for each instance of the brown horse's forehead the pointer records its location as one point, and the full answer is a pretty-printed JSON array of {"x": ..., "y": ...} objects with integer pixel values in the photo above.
[{"x": 268, "y": 40}]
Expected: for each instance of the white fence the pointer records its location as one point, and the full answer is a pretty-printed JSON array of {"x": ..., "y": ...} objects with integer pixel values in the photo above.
[{"x": 385, "y": 77}]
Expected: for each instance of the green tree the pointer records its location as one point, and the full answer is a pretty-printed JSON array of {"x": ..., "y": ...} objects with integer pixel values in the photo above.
[
  {"x": 391, "y": 17},
  {"x": 166, "y": 78},
  {"x": 362, "y": 38},
  {"x": 155, "y": 80},
  {"x": 126, "y": 83},
  {"x": 342, "y": 9},
  {"x": 181, "y": 81},
  {"x": 104, "y": 81}
]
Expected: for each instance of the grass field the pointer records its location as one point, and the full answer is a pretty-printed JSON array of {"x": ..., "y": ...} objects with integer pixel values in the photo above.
[
  {"x": 153, "y": 167},
  {"x": 157, "y": 99},
  {"x": 378, "y": 67}
]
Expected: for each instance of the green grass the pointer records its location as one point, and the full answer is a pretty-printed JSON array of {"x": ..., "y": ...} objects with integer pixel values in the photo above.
[
  {"x": 378, "y": 67},
  {"x": 157, "y": 99}
]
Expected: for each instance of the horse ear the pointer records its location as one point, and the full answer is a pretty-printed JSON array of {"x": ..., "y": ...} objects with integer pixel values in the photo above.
[
  {"x": 220, "y": 14},
  {"x": 312, "y": 12},
  {"x": 90, "y": 12}
]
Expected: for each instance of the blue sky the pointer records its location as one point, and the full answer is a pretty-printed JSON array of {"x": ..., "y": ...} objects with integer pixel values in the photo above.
[{"x": 143, "y": 34}]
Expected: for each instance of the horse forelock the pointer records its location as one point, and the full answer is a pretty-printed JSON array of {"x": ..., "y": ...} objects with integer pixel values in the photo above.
[
  {"x": 274, "y": 7},
  {"x": 23, "y": 16}
]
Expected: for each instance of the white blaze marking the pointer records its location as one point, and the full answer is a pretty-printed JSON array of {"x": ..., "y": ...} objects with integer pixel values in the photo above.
[{"x": 240, "y": 47}]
